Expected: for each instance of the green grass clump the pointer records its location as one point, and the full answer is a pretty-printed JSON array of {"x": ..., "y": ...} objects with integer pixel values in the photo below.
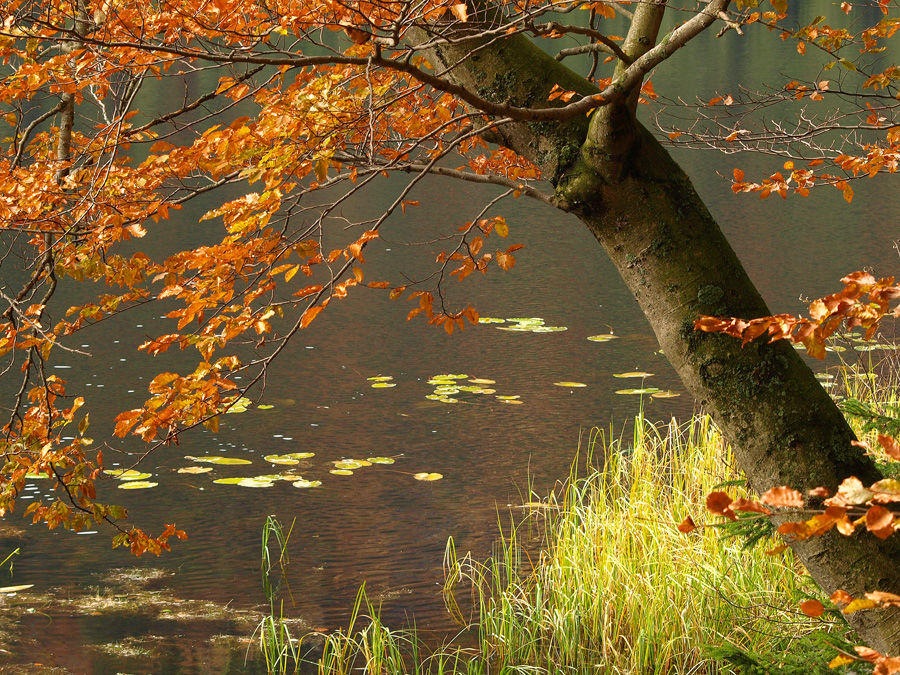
[{"x": 614, "y": 586}]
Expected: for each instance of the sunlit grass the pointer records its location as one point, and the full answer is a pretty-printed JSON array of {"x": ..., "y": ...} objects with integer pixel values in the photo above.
[{"x": 614, "y": 587}]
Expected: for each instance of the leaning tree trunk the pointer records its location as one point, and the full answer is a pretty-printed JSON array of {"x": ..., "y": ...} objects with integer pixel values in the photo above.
[{"x": 642, "y": 208}]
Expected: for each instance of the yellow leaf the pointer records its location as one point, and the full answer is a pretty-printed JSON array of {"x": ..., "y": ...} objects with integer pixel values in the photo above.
[
  {"x": 321, "y": 168},
  {"x": 840, "y": 660},
  {"x": 291, "y": 272},
  {"x": 858, "y": 604},
  {"x": 501, "y": 228}
]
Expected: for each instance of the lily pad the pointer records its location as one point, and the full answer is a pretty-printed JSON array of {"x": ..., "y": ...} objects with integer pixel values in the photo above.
[
  {"x": 449, "y": 377},
  {"x": 281, "y": 459},
  {"x": 428, "y": 476},
  {"x": 351, "y": 463},
  {"x": 300, "y": 455},
  {"x": 446, "y": 390},
  {"x": 642, "y": 390},
  {"x": 383, "y": 385},
  {"x": 341, "y": 472},
  {"x": 381, "y": 460},
  {"x": 548, "y": 329},
  {"x": 665, "y": 394},
  {"x": 254, "y": 483},
  {"x": 633, "y": 373},
  {"x": 510, "y": 401},
  {"x": 380, "y": 378},
  {"x": 16, "y": 589},
  {"x": 570, "y": 384},
  {"x": 265, "y": 406},
  {"x": 218, "y": 459},
  {"x": 228, "y": 481},
  {"x": 134, "y": 475},
  {"x": 602, "y": 338},
  {"x": 195, "y": 469},
  {"x": 137, "y": 485},
  {"x": 448, "y": 399},
  {"x": 303, "y": 483},
  {"x": 479, "y": 380},
  {"x": 508, "y": 398},
  {"x": 489, "y": 319},
  {"x": 126, "y": 474}
]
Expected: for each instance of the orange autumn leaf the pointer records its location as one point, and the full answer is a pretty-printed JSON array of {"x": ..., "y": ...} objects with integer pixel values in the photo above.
[
  {"x": 812, "y": 608},
  {"x": 687, "y": 525}
]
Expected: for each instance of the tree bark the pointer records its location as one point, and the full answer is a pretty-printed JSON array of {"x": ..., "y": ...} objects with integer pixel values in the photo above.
[{"x": 641, "y": 207}]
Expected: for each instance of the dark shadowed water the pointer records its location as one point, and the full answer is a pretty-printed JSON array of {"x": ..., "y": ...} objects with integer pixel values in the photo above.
[{"x": 380, "y": 526}]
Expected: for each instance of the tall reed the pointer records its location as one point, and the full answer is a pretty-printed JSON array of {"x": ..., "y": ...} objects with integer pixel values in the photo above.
[{"x": 614, "y": 587}]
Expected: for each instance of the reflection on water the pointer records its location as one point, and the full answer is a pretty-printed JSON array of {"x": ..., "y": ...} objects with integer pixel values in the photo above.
[{"x": 380, "y": 525}]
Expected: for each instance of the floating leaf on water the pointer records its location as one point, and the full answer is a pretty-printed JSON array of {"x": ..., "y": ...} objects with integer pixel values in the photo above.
[
  {"x": 228, "y": 481},
  {"x": 434, "y": 397},
  {"x": 665, "y": 394},
  {"x": 488, "y": 391},
  {"x": 532, "y": 320},
  {"x": 489, "y": 319},
  {"x": 508, "y": 398},
  {"x": 440, "y": 381},
  {"x": 303, "y": 483},
  {"x": 518, "y": 328},
  {"x": 115, "y": 473},
  {"x": 510, "y": 401},
  {"x": 270, "y": 477},
  {"x": 449, "y": 377},
  {"x": 824, "y": 376},
  {"x": 643, "y": 390},
  {"x": 428, "y": 476},
  {"x": 633, "y": 373},
  {"x": 479, "y": 380},
  {"x": 195, "y": 469},
  {"x": 866, "y": 348},
  {"x": 137, "y": 485},
  {"x": 448, "y": 399},
  {"x": 16, "y": 589},
  {"x": 341, "y": 472},
  {"x": 351, "y": 463},
  {"x": 381, "y": 460},
  {"x": 300, "y": 455},
  {"x": 134, "y": 475},
  {"x": 218, "y": 459},
  {"x": 281, "y": 459},
  {"x": 470, "y": 389},
  {"x": 836, "y": 349},
  {"x": 240, "y": 405},
  {"x": 254, "y": 483},
  {"x": 380, "y": 378},
  {"x": 446, "y": 390},
  {"x": 265, "y": 406},
  {"x": 570, "y": 384},
  {"x": 383, "y": 385},
  {"x": 548, "y": 329},
  {"x": 602, "y": 338}
]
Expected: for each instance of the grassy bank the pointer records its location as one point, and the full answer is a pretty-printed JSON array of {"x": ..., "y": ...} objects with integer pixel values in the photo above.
[{"x": 613, "y": 587}]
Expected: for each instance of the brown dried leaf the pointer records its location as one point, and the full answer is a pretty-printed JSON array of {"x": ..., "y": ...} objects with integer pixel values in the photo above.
[
  {"x": 687, "y": 525},
  {"x": 890, "y": 445},
  {"x": 812, "y": 608},
  {"x": 880, "y": 522},
  {"x": 782, "y": 496}
]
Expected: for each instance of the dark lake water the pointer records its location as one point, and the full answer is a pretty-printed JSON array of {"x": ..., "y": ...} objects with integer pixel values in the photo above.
[{"x": 380, "y": 526}]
